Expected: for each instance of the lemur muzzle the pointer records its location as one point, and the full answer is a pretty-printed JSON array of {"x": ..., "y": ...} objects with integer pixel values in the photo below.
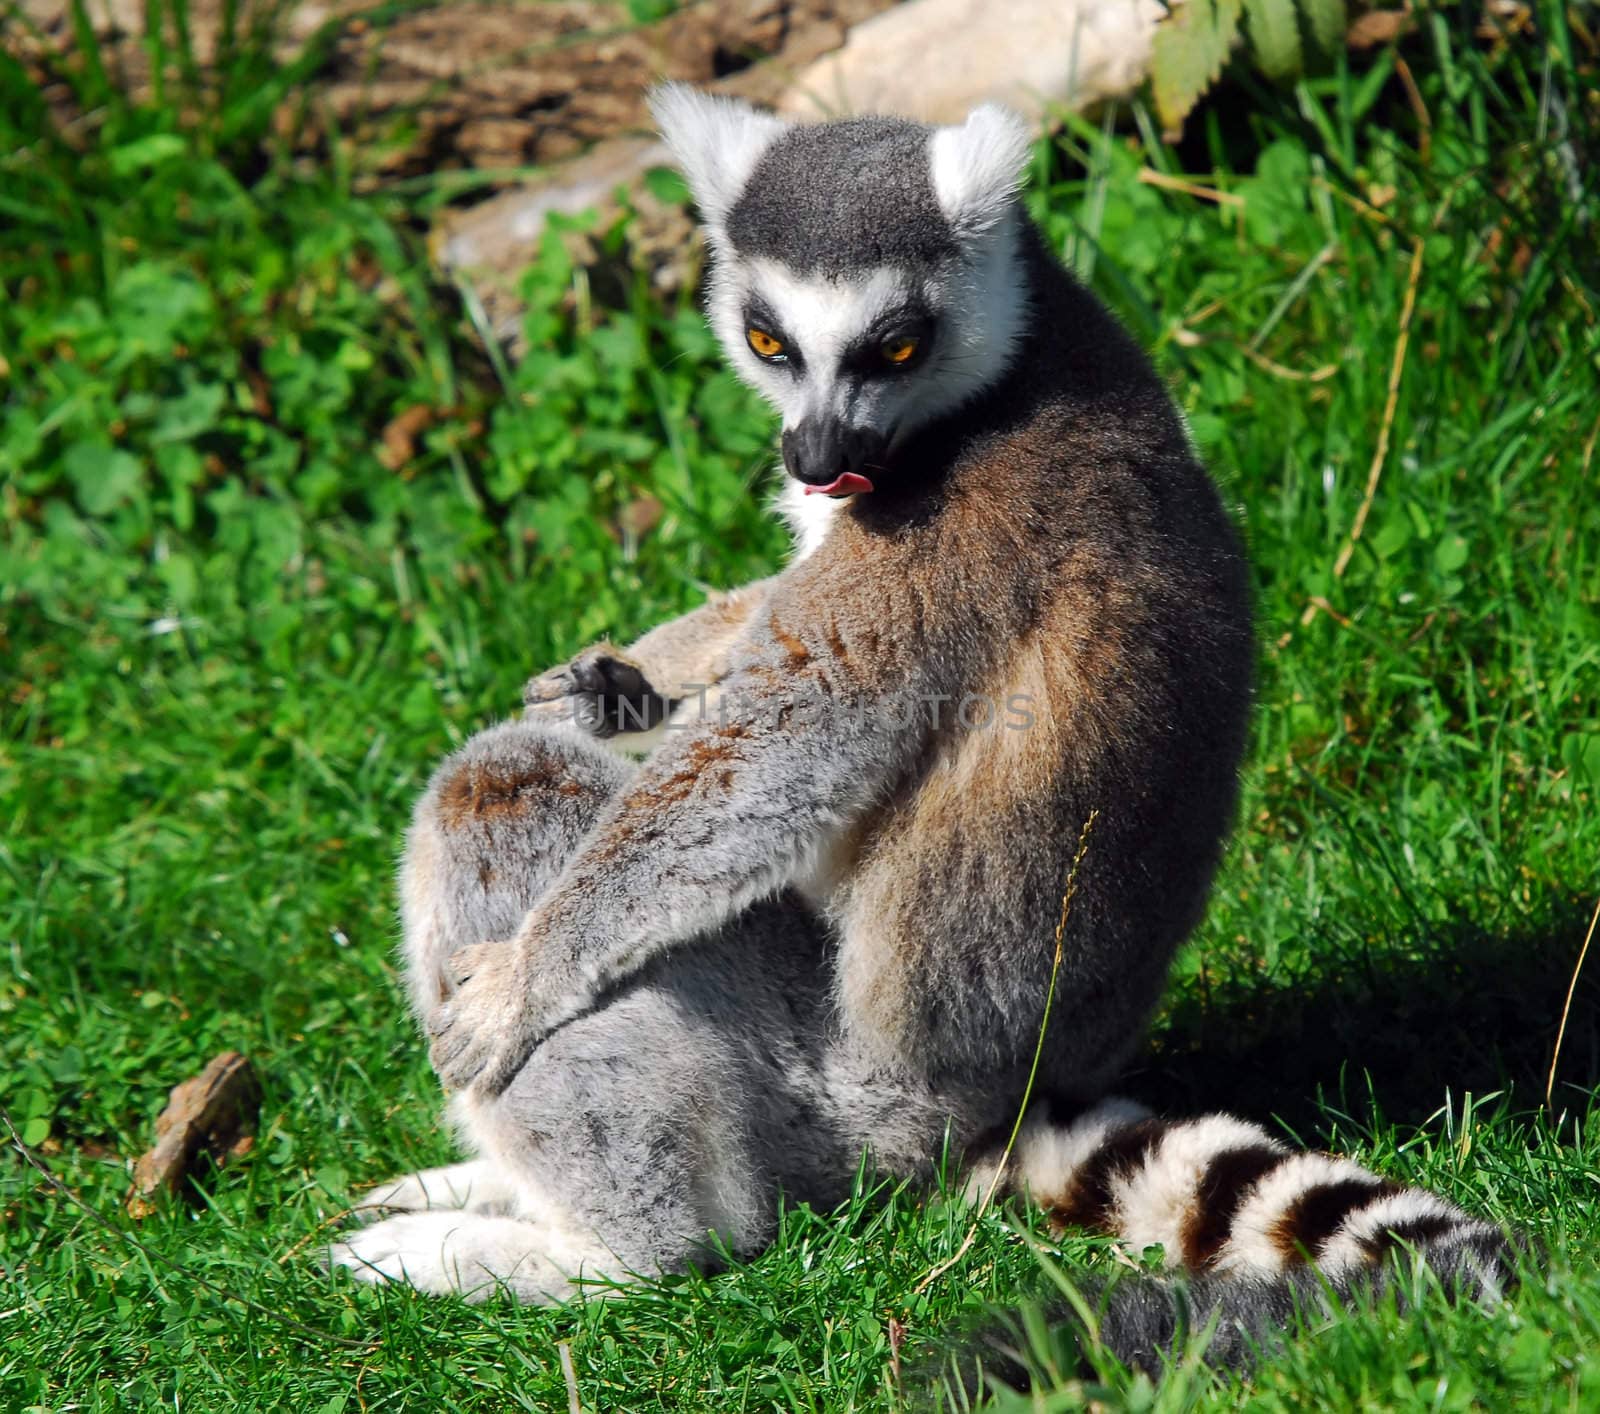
[{"x": 827, "y": 456}]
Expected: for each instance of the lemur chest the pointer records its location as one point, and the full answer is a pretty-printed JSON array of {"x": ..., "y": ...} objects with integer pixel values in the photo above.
[
  {"x": 809, "y": 517},
  {"x": 996, "y": 754},
  {"x": 833, "y": 860}
]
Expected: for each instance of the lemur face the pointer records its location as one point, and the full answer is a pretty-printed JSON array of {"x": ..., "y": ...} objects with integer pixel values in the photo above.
[{"x": 865, "y": 273}]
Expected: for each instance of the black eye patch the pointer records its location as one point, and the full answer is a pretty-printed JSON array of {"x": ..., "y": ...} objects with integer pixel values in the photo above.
[{"x": 910, "y": 325}]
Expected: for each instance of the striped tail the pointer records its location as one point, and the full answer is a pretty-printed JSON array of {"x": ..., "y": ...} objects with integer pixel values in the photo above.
[{"x": 1257, "y": 1226}]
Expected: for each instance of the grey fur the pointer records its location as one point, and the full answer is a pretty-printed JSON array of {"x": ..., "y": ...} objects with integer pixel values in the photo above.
[
  {"x": 703, "y": 1086},
  {"x": 808, "y": 205}
]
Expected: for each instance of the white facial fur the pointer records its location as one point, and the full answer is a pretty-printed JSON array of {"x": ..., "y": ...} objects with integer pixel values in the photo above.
[
  {"x": 977, "y": 298},
  {"x": 977, "y": 302},
  {"x": 808, "y": 517}
]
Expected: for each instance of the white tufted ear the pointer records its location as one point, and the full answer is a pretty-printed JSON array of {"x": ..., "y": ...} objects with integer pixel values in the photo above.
[
  {"x": 716, "y": 141},
  {"x": 978, "y": 166}
]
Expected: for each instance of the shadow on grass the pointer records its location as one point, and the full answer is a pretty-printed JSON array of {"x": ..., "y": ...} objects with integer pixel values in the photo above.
[{"x": 1466, "y": 1010}]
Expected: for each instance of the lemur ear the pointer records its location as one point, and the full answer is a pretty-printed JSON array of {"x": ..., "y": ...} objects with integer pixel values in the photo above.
[
  {"x": 716, "y": 141},
  {"x": 978, "y": 166}
]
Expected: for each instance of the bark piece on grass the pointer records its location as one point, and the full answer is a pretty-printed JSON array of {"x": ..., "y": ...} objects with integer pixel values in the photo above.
[{"x": 212, "y": 1116}]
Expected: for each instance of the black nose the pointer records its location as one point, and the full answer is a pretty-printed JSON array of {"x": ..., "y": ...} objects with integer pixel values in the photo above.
[{"x": 820, "y": 450}]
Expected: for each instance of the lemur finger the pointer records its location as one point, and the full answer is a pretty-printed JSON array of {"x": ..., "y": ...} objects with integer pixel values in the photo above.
[
  {"x": 597, "y": 670},
  {"x": 501, "y": 1070},
  {"x": 447, "y": 1049},
  {"x": 457, "y": 1059},
  {"x": 589, "y": 673},
  {"x": 464, "y": 963},
  {"x": 441, "y": 1020},
  {"x": 549, "y": 687}
]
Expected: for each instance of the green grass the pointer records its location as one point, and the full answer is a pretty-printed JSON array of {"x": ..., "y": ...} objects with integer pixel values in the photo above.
[{"x": 233, "y": 639}]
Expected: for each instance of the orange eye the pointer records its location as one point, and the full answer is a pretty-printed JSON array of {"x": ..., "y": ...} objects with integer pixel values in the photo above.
[
  {"x": 900, "y": 351},
  {"x": 762, "y": 344}
]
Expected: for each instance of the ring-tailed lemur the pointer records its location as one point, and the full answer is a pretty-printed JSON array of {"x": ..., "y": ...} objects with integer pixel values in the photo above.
[{"x": 819, "y": 916}]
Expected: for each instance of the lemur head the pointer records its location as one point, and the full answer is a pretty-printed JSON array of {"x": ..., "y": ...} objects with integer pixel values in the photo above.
[{"x": 865, "y": 276}]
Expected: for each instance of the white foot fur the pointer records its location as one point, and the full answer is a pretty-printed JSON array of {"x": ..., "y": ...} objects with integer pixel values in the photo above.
[
  {"x": 475, "y": 1187},
  {"x": 474, "y": 1255}
]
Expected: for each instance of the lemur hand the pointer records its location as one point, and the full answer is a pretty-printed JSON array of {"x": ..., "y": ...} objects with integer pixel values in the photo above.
[
  {"x": 502, "y": 1009},
  {"x": 601, "y": 690}
]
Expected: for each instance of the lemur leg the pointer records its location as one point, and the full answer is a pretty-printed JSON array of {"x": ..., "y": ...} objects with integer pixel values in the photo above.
[
  {"x": 477, "y": 1186},
  {"x": 638, "y": 1128},
  {"x": 493, "y": 829},
  {"x": 629, "y": 1137}
]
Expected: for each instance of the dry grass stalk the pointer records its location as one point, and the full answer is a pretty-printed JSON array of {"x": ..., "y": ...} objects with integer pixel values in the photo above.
[
  {"x": 1381, "y": 454},
  {"x": 570, "y": 1375},
  {"x": 1566, "y": 1011}
]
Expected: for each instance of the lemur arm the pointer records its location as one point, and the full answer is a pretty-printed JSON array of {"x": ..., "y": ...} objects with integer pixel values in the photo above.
[
  {"x": 726, "y": 811},
  {"x": 607, "y": 689}
]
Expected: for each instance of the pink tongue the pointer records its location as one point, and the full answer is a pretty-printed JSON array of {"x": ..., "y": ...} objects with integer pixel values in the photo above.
[{"x": 847, "y": 485}]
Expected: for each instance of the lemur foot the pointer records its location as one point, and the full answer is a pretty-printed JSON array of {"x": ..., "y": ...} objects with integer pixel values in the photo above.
[
  {"x": 469, "y": 1254},
  {"x": 477, "y": 1186},
  {"x": 601, "y": 691}
]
